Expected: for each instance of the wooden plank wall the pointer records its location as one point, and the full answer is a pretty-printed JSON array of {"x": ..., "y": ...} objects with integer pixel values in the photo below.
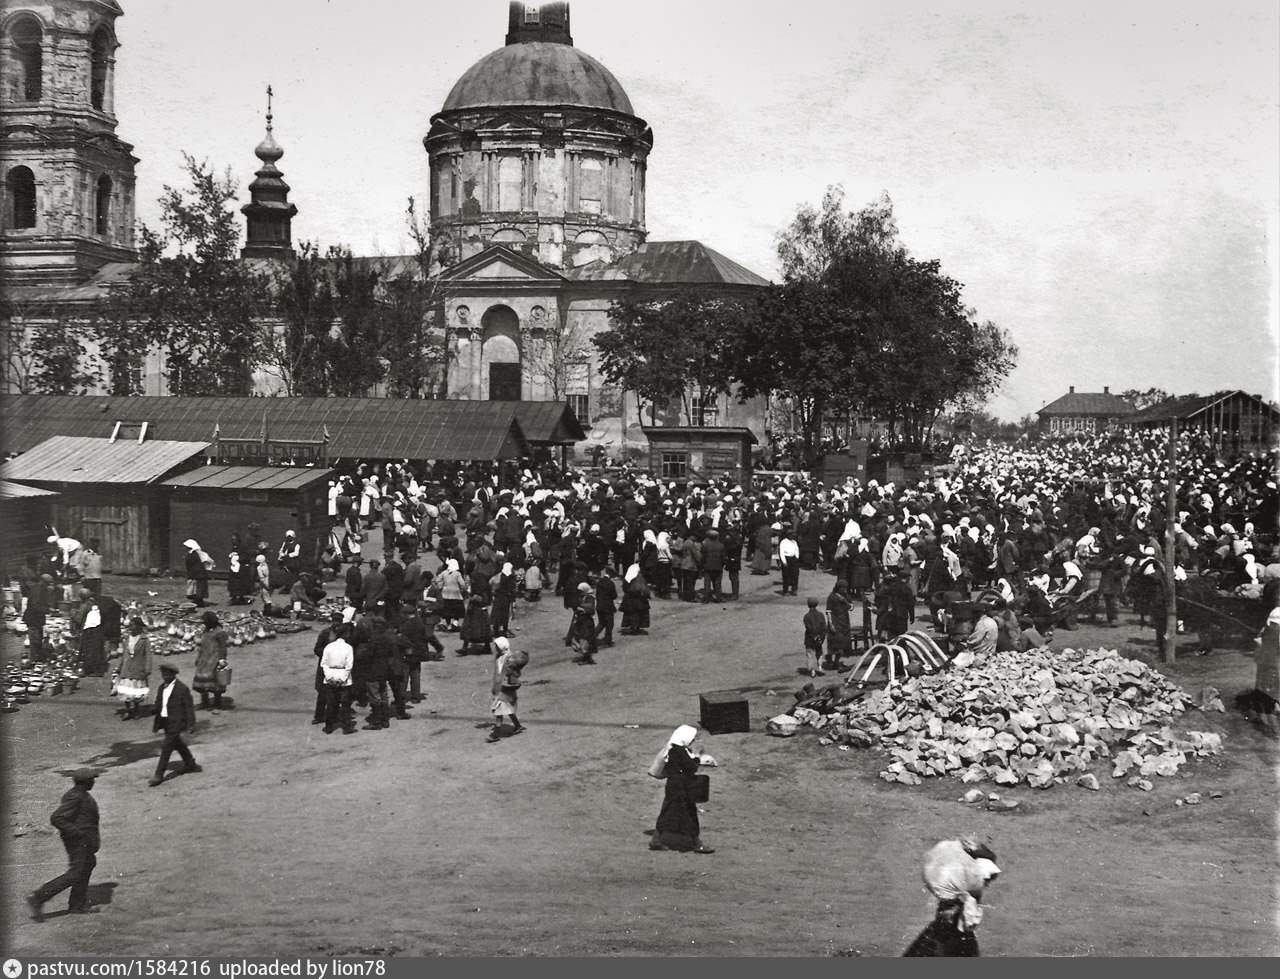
[
  {"x": 211, "y": 517},
  {"x": 125, "y": 530}
]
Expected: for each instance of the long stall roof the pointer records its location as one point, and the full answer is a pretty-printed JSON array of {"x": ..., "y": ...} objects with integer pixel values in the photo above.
[
  {"x": 250, "y": 477},
  {"x": 76, "y": 459},
  {"x": 359, "y": 428}
]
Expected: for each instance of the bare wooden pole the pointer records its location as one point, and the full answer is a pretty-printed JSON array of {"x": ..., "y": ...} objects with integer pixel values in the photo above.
[{"x": 1169, "y": 653}]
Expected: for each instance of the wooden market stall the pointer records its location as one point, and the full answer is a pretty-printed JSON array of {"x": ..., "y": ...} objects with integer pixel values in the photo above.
[
  {"x": 109, "y": 489},
  {"x": 211, "y": 503},
  {"x": 701, "y": 452},
  {"x": 26, "y": 514}
]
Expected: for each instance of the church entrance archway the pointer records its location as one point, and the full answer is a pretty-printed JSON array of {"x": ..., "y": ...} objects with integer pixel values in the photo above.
[{"x": 500, "y": 361}]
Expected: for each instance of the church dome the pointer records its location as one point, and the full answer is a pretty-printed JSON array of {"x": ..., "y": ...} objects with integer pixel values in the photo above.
[{"x": 538, "y": 73}]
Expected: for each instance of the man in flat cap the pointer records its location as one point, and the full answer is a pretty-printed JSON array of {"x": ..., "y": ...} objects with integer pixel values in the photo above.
[
  {"x": 76, "y": 820},
  {"x": 175, "y": 715}
]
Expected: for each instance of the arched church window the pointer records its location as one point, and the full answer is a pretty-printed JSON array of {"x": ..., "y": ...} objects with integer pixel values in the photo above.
[
  {"x": 509, "y": 235},
  {"x": 590, "y": 186},
  {"x": 20, "y": 198},
  {"x": 102, "y": 206},
  {"x": 100, "y": 60},
  {"x": 26, "y": 60},
  {"x": 510, "y": 174}
]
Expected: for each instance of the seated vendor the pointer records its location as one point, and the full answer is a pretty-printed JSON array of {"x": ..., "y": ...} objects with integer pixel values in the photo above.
[{"x": 986, "y": 632}]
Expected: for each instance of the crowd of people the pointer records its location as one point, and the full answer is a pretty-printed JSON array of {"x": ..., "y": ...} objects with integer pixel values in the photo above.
[{"x": 1074, "y": 524}]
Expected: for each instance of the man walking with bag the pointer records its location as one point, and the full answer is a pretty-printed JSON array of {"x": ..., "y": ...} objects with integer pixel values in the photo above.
[
  {"x": 76, "y": 820},
  {"x": 175, "y": 716}
]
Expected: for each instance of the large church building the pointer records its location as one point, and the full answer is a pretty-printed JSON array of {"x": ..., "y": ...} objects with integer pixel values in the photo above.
[{"x": 536, "y": 161}]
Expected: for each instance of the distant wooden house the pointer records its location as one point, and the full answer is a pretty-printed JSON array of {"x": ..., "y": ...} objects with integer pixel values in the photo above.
[
  {"x": 1084, "y": 412},
  {"x": 1235, "y": 422}
]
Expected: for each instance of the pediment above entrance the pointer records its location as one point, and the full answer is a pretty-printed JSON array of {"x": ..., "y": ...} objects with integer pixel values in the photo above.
[{"x": 499, "y": 262}]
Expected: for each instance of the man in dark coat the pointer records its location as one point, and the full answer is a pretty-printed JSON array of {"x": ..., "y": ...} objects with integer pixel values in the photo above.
[
  {"x": 372, "y": 662},
  {"x": 175, "y": 715},
  {"x": 895, "y": 604},
  {"x": 374, "y": 588},
  {"x": 76, "y": 820},
  {"x": 39, "y": 603},
  {"x": 733, "y": 558},
  {"x": 394, "y": 573},
  {"x": 606, "y": 607},
  {"x": 355, "y": 585},
  {"x": 712, "y": 567}
]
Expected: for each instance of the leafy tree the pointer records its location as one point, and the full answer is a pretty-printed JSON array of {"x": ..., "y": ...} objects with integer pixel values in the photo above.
[
  {"x": 190, "y": 295},
  {"x": 662, "y": 349},
  {"x": 413, "y": 301},
  {"x": 1145, "y": 399},
  {"x": 302, "y": 348},
  {"x": 861, "y": 324},
  {"x": 553, "y": 356},
  {"x": 356, "y": 364},
  {"x": 61, "y": 359},
  {"x": 799, "y": 343}
]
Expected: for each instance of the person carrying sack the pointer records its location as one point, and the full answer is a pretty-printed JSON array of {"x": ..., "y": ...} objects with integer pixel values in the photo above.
[{"x": 678, "y": 827}]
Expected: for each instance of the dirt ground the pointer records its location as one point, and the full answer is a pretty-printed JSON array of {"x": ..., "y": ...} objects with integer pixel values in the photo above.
[{"x": 425, "y": 840}]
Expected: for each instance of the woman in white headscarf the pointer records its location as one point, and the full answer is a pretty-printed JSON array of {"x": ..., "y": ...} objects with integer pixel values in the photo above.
[
  {"x": 678, "y": 827},
  {"x": 635, "y": 603},
  {"x": 956, "y": 872},
  {"x": 503, "y": 588},
  {"x": 453, "y": 593},
  {"x": 198, "y": 565},
  {"x": 662, "y": 578}
]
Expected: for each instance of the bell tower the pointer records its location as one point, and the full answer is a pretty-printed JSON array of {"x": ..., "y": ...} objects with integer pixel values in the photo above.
[
  {"x": 68, "y": 178},
  {"x": 269, "y": 215}
]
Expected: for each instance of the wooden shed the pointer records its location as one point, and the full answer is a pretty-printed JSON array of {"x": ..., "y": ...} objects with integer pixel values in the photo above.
[
  {"x": 26, "y": 513},
  {"x": 108, "y": 489},
  {"x": 678, "y": 452},
  {"x": 211, "y": 503},
  {"x": 1233, "y": 422}
]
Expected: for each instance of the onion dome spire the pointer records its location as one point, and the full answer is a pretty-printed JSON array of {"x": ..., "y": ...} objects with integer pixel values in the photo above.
[{"x": 268, "y": 213}]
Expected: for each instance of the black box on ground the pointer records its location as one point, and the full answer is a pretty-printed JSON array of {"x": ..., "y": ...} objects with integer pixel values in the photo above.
[{"x": 725, "y": 712}]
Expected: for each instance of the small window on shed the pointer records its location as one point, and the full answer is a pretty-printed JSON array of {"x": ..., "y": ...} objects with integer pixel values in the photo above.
[
  {"x": 102, "y": 206},
  {"x": 20, "y": 198},
  {"x": 675, "y": 465},
  {"x": 532, "y": 15}
]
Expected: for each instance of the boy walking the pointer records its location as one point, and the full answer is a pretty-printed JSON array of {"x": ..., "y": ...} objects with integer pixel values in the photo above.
[{"x": 815, "y": 633}]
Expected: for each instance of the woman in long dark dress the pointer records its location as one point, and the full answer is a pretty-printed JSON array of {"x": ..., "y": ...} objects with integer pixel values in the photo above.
[
  {"x": 762, "y": 559},
  {"x": 678, "y": 827},
  {"x": 839, "y": 642},
  {"x": 211, "y": 659},
  {"x": 635, "y": 602}
]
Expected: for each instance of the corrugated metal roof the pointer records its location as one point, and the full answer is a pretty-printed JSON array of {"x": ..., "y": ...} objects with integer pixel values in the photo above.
[
  {"x": 1189, "y": 405},
  {"x": 548, "y": 422},
  {"x": 359, "y": 428},
  {"x": 16, "y": 491},
  {"x": 671, "y": 262},
  {"x": 250, "y": 477},
  {"x": 1081, "y": 403},
  {"x": 76, "y": 459}
]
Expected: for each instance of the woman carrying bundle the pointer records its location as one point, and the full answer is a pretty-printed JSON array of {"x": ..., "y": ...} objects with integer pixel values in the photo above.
[{"x": 678, "y": 827}]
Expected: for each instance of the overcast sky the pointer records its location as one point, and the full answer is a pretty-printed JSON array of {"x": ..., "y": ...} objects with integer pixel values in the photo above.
[{"x": 1104, "y": 181}]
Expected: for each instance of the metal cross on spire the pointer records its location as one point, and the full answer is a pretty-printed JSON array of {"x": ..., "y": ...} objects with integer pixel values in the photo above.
[{"x": 268, "y": 108}]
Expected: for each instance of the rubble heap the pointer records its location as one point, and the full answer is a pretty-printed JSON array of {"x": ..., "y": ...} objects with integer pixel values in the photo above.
[{"x": 1039, "y": 717}]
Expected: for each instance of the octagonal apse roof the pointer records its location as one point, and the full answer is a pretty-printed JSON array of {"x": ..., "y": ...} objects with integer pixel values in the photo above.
[{"x": 538, "y": 73}]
